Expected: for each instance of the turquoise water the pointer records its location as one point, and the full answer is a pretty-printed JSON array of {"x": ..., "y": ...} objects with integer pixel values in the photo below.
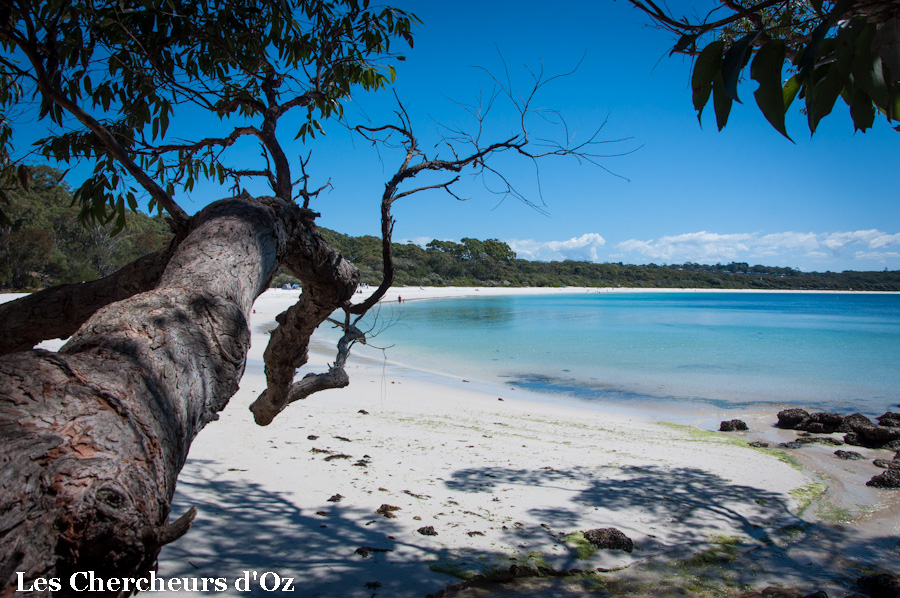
[{"x": 836, "y": 352}]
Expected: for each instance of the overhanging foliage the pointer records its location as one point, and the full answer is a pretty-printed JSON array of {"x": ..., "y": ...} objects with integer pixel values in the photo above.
[
  {"x": 109, "y": 77},
  {"x": 813, "y": 50}
]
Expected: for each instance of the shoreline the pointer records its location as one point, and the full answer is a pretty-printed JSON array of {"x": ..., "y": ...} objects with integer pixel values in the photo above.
[
  {"x": 423, "y": 293},
  {"x": 636, "y": 396},
  {"x": 505, "y": 477}
]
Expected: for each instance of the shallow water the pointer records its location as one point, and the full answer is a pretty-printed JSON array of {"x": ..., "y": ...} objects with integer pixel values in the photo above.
[{"x": 835, "y": 352}]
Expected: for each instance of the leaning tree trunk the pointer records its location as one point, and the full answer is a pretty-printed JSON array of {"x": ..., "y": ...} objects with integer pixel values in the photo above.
[{"x": 93, "y": 437}]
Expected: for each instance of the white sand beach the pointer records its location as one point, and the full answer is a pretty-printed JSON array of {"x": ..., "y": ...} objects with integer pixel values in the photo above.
[{"x": 337, "y": 492}]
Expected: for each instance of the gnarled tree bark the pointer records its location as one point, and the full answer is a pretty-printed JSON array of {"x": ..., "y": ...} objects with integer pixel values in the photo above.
[
  {"x": 94, "y": 436},
  {"x": 61, "y": 310}
]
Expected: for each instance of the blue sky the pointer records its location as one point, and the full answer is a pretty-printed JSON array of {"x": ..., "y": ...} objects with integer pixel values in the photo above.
[
  {"x": 679, "y": 193},
  {"x": 687, "y": 193}
]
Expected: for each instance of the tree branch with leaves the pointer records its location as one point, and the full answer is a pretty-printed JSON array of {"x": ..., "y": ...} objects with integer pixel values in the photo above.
[{"x": 813, "y": 50}]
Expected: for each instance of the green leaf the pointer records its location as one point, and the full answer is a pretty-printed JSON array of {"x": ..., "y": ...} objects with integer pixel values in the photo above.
[
  {"x": 705, "y": 70},
  {"x": 827, "y": 92},
  {"x": 721, "y": 102},
  {"x": 766, "y": 70},
  {"x": 791, "y": 87},
  {"x": 807, "y": 58},
  {"x": 734, "y": 61},
  {"x": 868, "y": 73},
  {"x": 845, "y": 47},
  {"x": 862, "y": 111},
  {"x": 24, "y": 177},
  {"x": 163, "y": 121}
]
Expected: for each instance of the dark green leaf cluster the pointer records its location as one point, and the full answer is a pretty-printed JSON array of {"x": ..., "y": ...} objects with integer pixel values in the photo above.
[
  {"x": 45, "y": 244},
  {"x": 846, "y": 49},
  {"x": 111, "y": 79}
]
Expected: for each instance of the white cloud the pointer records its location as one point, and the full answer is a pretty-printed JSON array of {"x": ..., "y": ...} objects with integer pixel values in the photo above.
[
  {"x": 777, "y": 242},
  {"x": 883, "y": 240},
  {"x": 696, "y": 247},
  {"x": 583, "y": 248},
  {"x": 840, "y": 240},
  {"x": 785, "y": 247},
  {"x": 873, "y": 239},
  {"x": 420, "y": 241},
  {"x": 847, "y": 250},
  {"x": 878, "y": 256}
]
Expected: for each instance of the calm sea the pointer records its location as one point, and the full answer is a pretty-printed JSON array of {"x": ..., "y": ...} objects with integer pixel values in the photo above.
[{"x": 835, "y": 352}]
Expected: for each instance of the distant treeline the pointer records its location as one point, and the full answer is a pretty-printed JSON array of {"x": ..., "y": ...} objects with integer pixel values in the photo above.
[
  {"x": 47, "y": 245},
  {"x": 493, "y": 263}
]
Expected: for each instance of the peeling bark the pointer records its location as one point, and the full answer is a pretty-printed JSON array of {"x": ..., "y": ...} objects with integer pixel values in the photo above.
[{"x": 94, "y": 436}]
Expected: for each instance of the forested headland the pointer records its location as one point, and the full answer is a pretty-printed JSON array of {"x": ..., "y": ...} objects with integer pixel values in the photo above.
[
  {"x": 47, "y": 244},
  {"x": 473, "y": 262}
]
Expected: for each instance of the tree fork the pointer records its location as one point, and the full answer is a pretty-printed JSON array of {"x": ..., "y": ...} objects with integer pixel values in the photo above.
[{"x": 329, "y": 282}]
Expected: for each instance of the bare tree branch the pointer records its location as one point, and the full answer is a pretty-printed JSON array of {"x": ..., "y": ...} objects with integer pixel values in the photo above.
[
  {"x": 683, "y": 25},
  {"x": 328, "y": 282},
  {"x": 476, "y": 156}
]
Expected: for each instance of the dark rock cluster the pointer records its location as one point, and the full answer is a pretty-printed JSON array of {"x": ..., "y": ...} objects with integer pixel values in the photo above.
[
  {"x": 889, "y": 419},
  {"x": 858, "y": 430},
  {"x": 773, "y": 592},
  {"x": 848, "y": 455},
  {"x": 791, "y": 445},
  {"x": 734, "y": 425},
  {"x": 881, "y": 585},
  {"x": 889, "y": 479},
  {"x": 817, "y": 423},
  {"x": 609, "y": 538}
]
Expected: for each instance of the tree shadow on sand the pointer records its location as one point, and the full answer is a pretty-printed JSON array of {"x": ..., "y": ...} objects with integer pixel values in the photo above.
[
  {"x": 778, "y": 548},
  {"x": 243, "y": 526},
  {"x": 690, "y": 499}
]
